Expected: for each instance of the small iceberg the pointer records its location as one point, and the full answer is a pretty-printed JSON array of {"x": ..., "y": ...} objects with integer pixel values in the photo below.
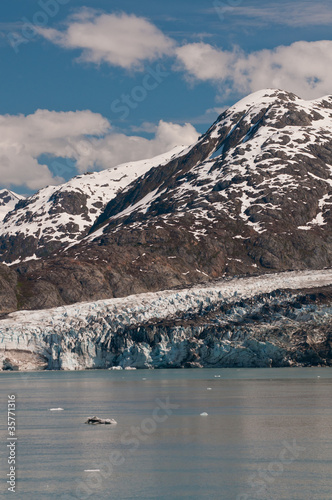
[
  {"x": 209, "y": 388},
  {"x": 99, "y": 421},
  {"x": 92, "y": 470},
  {"x": 56, "y": 409},
  {"x": 204, "y": 414}
]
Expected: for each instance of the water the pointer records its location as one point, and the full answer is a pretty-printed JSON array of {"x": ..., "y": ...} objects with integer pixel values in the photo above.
[{"x": 255, "y": 417}]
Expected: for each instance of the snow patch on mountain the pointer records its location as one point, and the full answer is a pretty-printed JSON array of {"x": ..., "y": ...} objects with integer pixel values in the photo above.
[
  {"x": 8, "y": 200},
  {"x": 272, "y": 145},
  {"x": 63, "y": 215}
]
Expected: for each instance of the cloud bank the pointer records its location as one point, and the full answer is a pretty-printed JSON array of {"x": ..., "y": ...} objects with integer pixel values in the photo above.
[
  {"x": 129, "y": 41},
  {"x": 295, "y": 14},
  {"x": 83, "y": 136},
  {"x": 24, "y": 138},
  {"x": 116, "y": 148},
  {"x": 304, "y": 68},
  {"x": 117, "y": 39}
]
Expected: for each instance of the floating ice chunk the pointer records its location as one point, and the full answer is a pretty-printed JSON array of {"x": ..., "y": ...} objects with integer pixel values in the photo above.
[
  {"x": 91, "y": 470},
  {"x": 204, "y": 414},
  {"x": 209, "y": 389},
  {"x": 56, "y": 409},
  {"x": 217, "y": 376},
  {"x": 116, "y": 368}
]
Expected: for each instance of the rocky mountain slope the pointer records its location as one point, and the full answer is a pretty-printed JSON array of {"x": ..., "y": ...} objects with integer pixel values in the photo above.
[
  {"x": 60, "y": 215},
  {"x": 8, "y": 289},
  {"x": 264, "y": 194},
  {"x": 273, "y": 320},
  {"x": 8, "y": 200},
  {"x": 253, "y": 195}
]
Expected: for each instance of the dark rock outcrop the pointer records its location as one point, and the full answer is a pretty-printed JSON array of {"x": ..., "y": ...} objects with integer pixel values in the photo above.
[{"x": 8, "y": 287}]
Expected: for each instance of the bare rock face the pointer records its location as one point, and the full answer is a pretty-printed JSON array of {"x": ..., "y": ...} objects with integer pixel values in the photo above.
[
  {"x": 20, "y": 360},
  {"x": 8, "y": 284},
  {"x": 252, "y": 196}
]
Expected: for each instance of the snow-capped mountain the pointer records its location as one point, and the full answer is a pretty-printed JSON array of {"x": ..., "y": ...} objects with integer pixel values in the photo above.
[
  {"x": 8, "y": 200},
  {"x": 60, "y": 215},
  {"x": 252, "y": 195},
  {"x": 262, "y": 197},
  {"x": 273, "y": 157}
]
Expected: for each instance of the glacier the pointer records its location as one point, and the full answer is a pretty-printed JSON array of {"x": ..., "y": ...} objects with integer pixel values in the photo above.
[{"x": 268, "y": 320}]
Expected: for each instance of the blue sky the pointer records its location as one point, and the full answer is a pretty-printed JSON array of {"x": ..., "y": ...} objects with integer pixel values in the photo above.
[{"x": 178, "y": 62}]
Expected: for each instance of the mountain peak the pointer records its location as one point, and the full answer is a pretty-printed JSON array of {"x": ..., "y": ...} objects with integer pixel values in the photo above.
[
  {"x": 8, "y": 200},
  {"x": 264, "y": 96},
  {"x": 266, "y": 167}
]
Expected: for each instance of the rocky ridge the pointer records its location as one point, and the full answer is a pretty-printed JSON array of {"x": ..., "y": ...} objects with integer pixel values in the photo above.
[{"x": 58, "y": 216}]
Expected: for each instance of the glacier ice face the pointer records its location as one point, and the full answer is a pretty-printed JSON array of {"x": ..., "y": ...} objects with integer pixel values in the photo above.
[{"x": 240, "y": 322}]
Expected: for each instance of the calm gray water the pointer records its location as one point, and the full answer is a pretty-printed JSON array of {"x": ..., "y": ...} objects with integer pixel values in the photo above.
[{"x": 268, "y": 434}]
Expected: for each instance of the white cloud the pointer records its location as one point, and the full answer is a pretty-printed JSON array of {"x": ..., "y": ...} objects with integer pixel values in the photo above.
[
  {"x": 82, "y": 136},
  {"x": 128, "y": 41},
  {"x": 24, "y": 138},
  {"x": 147, "y": 127},
  {"x": 304, "y": 68},
  {"x": 208, "y": 117},
  {"x": 295, "y": 14},
  {"x": 205, "y": 62},
  {"x": 21, "y": 169},
  {"x": 117, "y": 39},
  {"x": 115, "y": 148}
]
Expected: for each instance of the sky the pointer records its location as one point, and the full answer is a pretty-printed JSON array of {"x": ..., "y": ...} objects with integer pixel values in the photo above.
[{"x": 87, "y": 85}]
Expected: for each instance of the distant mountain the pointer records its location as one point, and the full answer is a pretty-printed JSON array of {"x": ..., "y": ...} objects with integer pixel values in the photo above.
[
  {"x": 8, "y": 200},
  {"x": 270, "y": 172},
  {"x": 60, "y": 215},
  {"x": 252, "y": 195}
]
